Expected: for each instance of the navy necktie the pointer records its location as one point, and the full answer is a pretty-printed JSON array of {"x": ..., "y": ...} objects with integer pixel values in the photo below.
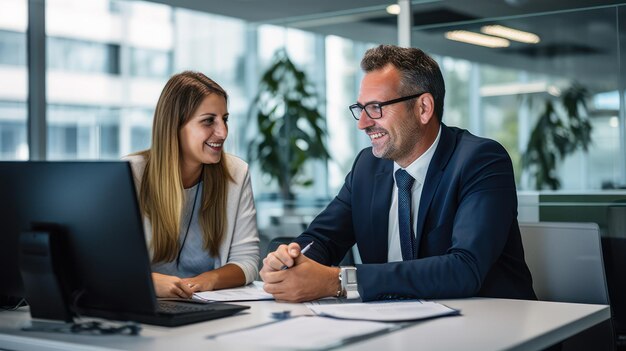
[{"x": 404, "y": 181}]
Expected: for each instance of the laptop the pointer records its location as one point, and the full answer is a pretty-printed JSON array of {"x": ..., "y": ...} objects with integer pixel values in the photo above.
[{"x": 174, "y": 313}]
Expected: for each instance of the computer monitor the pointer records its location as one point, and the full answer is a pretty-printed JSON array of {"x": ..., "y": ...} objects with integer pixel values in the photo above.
[
  {"x": 74, "y": 233},
  {"x": 91, "y": 207}
]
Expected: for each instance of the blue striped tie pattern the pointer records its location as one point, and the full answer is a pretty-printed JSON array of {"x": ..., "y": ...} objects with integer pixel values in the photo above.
[{"x": 404, "y": 182}]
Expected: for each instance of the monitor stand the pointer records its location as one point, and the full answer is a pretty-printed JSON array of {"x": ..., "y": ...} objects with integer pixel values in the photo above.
[{"x": 46, "y": 290}]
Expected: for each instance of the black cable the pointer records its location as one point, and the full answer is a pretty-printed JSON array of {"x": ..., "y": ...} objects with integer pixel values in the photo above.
[
  {"x": 76, "y": 295},
  {"x": 87, "y": 327},
  {"x": 96, "y": 327},
  {"x": 20, "y": 303},
  {"x": 100, "y": 328},
  {"x": 193, "y": 209}
]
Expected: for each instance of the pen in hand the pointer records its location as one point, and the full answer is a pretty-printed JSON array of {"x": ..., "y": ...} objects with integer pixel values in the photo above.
[{"x": 306, "y": 248}]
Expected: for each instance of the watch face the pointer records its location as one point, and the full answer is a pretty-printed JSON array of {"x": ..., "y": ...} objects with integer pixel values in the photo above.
[{"x": 351, "y": 276}]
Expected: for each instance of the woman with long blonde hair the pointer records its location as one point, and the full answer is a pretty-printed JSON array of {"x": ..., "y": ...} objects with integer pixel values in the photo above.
[{"x": 199, "y": 214}]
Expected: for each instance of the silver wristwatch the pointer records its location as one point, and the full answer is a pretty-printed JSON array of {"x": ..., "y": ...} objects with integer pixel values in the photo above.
[{"x": 347, "y": 277}]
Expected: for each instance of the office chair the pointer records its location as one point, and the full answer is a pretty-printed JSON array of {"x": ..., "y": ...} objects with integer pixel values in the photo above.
[
  {"x": 565, "y": 260},
  {"x": 566, "y": 263}
]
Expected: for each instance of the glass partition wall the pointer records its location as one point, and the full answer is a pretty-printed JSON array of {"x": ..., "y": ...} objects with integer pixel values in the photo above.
[{"x": 509, "y": 87}]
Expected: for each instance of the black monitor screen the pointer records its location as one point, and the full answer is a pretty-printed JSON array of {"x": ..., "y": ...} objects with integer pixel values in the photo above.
[{"x": 92, "y": 208}]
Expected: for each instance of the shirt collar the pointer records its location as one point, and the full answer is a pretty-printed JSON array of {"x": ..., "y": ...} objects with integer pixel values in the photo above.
[{"x": 418, "y": 168}]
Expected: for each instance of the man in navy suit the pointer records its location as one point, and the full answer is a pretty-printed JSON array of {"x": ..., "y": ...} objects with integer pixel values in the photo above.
[{"x": 432, "y": 208}]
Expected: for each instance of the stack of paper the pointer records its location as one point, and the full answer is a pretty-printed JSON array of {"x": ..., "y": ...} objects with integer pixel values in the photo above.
[
  {"x": 395, "y": 311},
  {"x": 250, "y": 292}
]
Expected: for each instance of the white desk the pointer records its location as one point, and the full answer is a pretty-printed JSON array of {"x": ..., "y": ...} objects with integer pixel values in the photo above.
[{"x": 485, "y": 324}]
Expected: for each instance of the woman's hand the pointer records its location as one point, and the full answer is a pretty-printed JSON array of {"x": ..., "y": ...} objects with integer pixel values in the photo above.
[
  {"x": 203, "y": 282},
  {"x": 227, "y": 276},
  {"x": 171, "y": 286}
]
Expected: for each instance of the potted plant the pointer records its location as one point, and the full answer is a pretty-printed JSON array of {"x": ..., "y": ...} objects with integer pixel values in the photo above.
[
  {"x": 555, "y": 136},
  {"x": 289, "y": 126}
]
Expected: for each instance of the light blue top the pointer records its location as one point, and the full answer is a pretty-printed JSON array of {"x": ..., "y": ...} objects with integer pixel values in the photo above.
[{"x": 194, "y": 259}]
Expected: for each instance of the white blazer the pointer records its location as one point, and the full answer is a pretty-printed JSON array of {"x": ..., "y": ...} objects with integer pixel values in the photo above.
[{"x": 240, "y": 245}]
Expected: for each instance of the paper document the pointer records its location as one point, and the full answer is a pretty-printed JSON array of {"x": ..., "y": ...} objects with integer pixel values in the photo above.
[
  {"x": 395, "y": 311},
  {"x": 250, "y": 292},
  {"x": 302, "y": 333}
]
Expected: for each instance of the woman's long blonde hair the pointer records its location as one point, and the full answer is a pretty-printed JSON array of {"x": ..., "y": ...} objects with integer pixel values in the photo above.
[{"x": 161, "y": 194}]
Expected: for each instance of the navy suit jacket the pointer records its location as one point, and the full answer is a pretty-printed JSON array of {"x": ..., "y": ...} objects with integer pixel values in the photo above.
[{"x": 467, "y": 236}]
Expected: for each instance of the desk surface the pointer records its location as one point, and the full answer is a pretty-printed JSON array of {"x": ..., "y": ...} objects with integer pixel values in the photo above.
[{"x": 485, "y": 324}]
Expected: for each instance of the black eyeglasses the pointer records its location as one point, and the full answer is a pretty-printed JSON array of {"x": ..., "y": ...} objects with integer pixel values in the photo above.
[{"x": 374, "y": 110}]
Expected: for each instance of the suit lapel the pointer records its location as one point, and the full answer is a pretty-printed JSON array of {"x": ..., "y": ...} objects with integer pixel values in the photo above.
[
  {"x": 379, "y": 212},
  {"x": 447, "y": 143}
]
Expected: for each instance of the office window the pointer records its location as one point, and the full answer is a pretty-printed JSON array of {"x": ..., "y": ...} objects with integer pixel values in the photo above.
[
  {"x": 82, "y": 132},
  {"x": 140, "y": 138},
  {"x": 120, "y": 64},
  {"x": 136, "y": 129},
  {"x": 63, "y": 141},
  {"x": 13, "y": 144},
  {"x": 109, "y": 142},
  {"x": 13, "y": 77},
  {"x": 150, "y": 63},
  {"x": 13, "y": 141},
  {"x": 70, "y": 55},
  {"x": 101, "y": 70},
  {"x": 12, "y": 48}
]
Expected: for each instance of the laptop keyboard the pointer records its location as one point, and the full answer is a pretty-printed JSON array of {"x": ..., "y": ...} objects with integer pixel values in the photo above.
[
  {"x": 171, "y": 307},
  {"x": 173, "y": 313}
]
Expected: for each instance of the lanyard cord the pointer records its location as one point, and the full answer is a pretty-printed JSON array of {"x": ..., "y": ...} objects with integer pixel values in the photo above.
[{"x": 193, "y": 209}]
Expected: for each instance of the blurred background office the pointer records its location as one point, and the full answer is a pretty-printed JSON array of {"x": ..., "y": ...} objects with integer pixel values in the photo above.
[
  {"x": 106, "y": 61},
  {"x": 547, "y": 79}
]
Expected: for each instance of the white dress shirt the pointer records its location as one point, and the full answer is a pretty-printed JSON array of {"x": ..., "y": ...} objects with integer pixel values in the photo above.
[{"x": 417, "y": 170}]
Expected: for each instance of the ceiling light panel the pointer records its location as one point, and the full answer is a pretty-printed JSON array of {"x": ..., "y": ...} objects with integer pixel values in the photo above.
[
  {"x": 512, "y": 34},
  {"x": 477, "y": 39}
]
